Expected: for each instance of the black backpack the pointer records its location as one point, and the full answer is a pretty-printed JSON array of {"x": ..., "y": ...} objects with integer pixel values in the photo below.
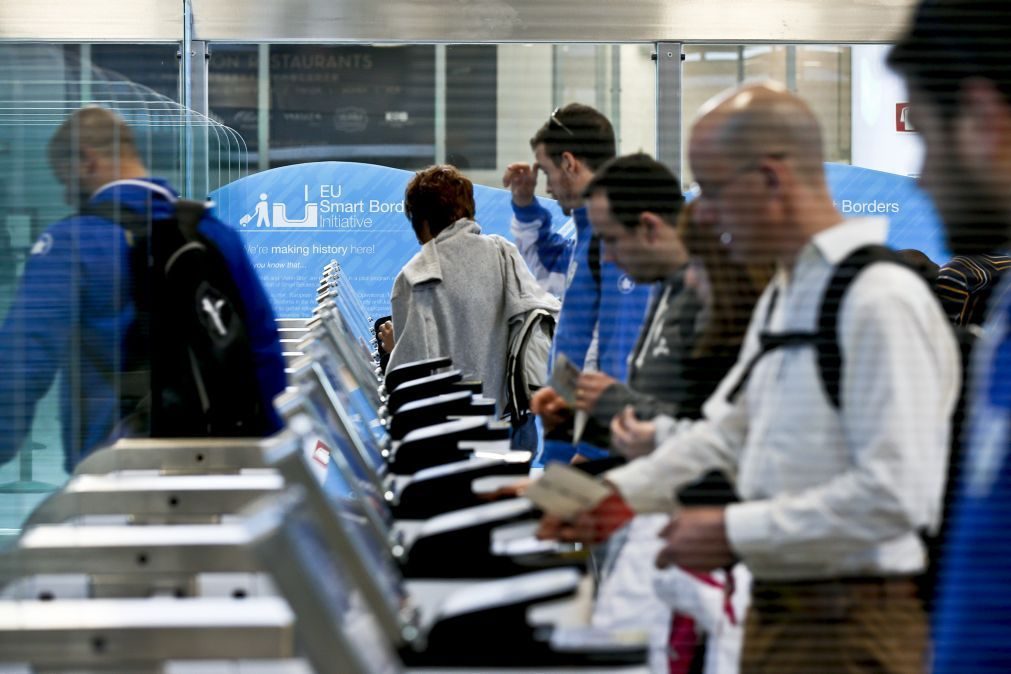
[
  {"x": 830, "y": 363},
  {"x": 190, "y": 369},
  {"x": 530, "y": 337}
]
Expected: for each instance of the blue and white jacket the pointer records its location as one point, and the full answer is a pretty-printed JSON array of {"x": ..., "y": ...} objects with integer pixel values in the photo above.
[
  {"x": 547, "y": 254},
  {"x": 613, "y": 311},
  {"x": 72, "y": 312}
]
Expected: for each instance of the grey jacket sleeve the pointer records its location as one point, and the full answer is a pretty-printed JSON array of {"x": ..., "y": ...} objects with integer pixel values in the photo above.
[{"x": 408, "y": 327}]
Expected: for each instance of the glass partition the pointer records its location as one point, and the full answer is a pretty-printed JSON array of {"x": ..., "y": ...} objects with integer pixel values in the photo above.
[
  {"x": 382, "y": 112},
  {"x": 821, "y": 74},
  {"x": 408, "y": 106},
  {"x": 42, "y": 84}
]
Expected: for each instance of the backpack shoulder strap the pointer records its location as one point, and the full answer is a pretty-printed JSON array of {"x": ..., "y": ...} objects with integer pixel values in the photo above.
[
  {"x": 593, "y": 258},
  {"x": 133, "y": 222},
  {"x": 133, "y": 378},
  {"x": 830, "y": 360},
  {"x": 189, "y": 213},
  {"x": 518, "y": 402},
  {"x": 825, "y": 337}
]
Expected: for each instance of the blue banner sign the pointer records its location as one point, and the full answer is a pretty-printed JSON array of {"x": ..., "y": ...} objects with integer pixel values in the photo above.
[
  {"x": 295, "y": 219},
  {"x": 912, "y": 220}
]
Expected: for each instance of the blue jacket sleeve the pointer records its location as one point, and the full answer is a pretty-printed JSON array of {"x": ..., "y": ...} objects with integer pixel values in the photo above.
[
  {"x": 532, "y": 230},
  {"x": 260, "y": 320},
  {"x": 34, "y": 336}
]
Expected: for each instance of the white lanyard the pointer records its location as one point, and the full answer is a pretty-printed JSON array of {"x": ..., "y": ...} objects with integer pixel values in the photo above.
[{"x": 655, "y": 328}]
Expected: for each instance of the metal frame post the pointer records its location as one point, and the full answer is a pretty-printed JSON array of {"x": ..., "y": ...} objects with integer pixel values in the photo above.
[
  {"x": 669, "y": 145},
  {"x": 193, "y": 89},
  {"x": 440, "y": 104},
  {"x": 263, "y": 107}
]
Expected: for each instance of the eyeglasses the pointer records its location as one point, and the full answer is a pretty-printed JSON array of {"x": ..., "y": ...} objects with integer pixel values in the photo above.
[
  {"x": 712, "y": 191},
  {"x": 557, "y": 122}
]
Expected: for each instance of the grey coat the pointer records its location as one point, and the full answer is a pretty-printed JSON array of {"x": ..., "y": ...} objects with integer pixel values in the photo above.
[{"x": 457, "y": 296}]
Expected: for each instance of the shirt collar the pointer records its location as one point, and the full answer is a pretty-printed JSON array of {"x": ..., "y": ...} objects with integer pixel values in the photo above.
[
  {"x": 461, "y": 225},
  {"x": 836, "y": 242},
  {"x": 426, "y": 265},
  {"x": 155, "y": 187},
  {"x": 830, "y": 246}
]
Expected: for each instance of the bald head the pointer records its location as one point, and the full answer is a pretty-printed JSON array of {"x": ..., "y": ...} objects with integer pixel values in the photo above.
[
  {"x": 99, "y": 129},
  {"x": 756, "y": 153},
  {"x": 91, "y": 148},
  {"x": 763, "y": 120}
]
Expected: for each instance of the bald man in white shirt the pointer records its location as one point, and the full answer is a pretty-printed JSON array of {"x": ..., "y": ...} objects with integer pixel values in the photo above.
[{"x": 832, "y": 497}]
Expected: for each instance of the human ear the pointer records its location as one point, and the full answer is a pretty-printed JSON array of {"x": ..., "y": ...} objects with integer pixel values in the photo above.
[
  {"x": 650, "y": 224},
  {"x": 569, "y": 162}
]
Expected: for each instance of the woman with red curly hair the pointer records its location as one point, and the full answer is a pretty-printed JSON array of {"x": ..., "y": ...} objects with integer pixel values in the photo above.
[{"x": 457, "y": 296}]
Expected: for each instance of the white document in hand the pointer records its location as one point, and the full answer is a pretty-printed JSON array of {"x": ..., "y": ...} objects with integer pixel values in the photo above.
[
  {"x": 579, "y": 425},
  {"x": 565, "y": 491},
  {"x": 564, "y": 379}
]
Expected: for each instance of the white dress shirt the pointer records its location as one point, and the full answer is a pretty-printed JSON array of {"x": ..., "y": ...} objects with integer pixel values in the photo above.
[{"x": 825, "y": 492}]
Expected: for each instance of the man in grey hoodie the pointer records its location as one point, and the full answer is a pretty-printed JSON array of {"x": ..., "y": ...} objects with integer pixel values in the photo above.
[{"x": 459, "y": 294}]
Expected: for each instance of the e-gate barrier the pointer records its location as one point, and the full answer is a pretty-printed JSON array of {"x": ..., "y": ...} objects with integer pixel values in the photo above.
[{"x": 351, "y": 541}]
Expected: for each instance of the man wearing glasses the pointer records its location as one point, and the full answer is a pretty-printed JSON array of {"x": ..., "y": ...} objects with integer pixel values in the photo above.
[
  {"x": 602, "y": 307},
  {"x": 832, "y": 495}
]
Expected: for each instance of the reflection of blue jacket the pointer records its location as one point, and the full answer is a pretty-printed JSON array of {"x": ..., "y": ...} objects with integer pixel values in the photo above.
[
  {"x": 72, "y": 312},
  {"x": 616, "y": 308}
]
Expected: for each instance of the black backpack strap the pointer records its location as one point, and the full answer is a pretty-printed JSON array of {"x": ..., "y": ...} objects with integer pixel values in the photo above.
[
  {"x": 133, "y": 380},
  {"x": 189, "y": 213},
  {"x": 519, "y": 389},
  {"x": 137, "y": 225},
  {"x": 134, "y": 222},
  {"x": 826, "y": 337},
  {"x": 593, "y": 258},
  {"x": 764, "y": 347},
  {"x": 769, "y": 341},
  {"x": 830, "y": 359}
]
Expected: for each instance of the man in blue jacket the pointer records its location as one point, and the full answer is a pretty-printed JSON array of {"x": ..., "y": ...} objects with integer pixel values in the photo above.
[
  {"x": 602, "y": 307},
  {"x": 73, "y": 310},
  {"x": 956, "y": 64}
]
